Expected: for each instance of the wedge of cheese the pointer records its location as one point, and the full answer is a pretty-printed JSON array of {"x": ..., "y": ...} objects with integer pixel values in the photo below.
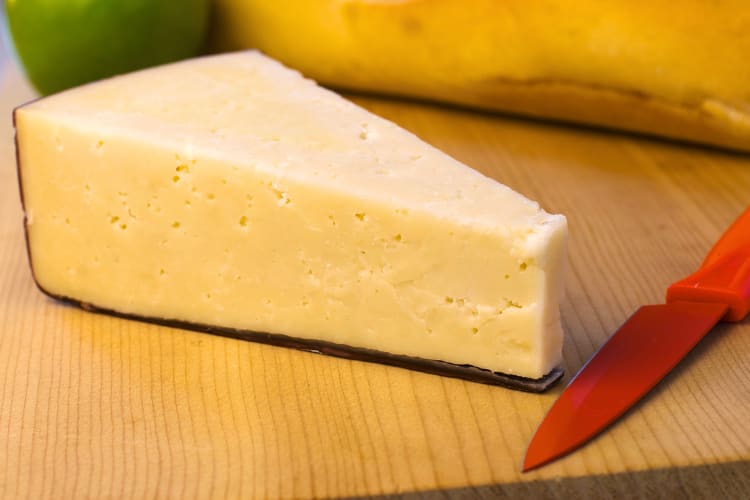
[{"x": 229, "y": 193}]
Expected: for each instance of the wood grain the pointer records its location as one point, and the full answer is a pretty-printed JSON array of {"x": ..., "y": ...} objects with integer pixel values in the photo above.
[{"x": 96, "y": 406}]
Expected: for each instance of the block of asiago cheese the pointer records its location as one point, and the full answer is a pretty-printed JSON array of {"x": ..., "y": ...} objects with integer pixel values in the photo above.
[{"x": 230, "y": 194}]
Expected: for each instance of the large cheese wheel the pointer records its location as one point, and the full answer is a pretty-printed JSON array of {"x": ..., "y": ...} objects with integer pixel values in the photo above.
[{"x": 678, "y": 70}]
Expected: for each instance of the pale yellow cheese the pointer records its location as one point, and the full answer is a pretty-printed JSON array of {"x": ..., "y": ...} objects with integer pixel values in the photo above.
[{"x": 230, "y": 191}]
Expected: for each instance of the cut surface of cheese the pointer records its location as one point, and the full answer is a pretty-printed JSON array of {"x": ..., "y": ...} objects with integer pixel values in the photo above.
[{"x": 231, "y": 192}]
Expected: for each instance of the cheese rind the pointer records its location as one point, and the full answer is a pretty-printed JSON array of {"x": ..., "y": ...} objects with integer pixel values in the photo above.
[{"x": 230, "y": 191}]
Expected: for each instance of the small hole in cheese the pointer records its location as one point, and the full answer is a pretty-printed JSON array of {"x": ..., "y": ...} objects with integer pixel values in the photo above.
[{"x": 281, "y": 195}]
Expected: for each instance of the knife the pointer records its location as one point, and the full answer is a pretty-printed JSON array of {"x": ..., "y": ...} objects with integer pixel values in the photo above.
[{"x": 646, "y": 347}]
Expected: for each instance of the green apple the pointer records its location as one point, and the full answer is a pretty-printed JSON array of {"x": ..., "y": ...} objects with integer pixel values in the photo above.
[{"x": 64, "y": 43}]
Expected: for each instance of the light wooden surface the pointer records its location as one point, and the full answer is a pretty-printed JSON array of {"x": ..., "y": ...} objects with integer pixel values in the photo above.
[{"x": 95, "y": 406}]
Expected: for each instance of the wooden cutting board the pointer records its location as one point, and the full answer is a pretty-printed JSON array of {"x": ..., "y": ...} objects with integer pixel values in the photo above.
[{"x": 96, "y": 406}]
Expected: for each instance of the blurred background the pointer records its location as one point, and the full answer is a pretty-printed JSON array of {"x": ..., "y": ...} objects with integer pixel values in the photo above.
[
  {"x": 14, "y": 89},
  {"x": 612, "y": 65}
]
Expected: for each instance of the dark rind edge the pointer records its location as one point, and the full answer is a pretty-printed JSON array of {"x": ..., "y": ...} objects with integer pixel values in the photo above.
[
  {"x": 21, "y": 196},
  {"x": 436, "y": 367}
]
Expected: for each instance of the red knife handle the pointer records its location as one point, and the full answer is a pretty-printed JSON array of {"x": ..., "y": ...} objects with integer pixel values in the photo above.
[
  {"x": 734, "y": 238},
  {"x": 724, "y": 277}
]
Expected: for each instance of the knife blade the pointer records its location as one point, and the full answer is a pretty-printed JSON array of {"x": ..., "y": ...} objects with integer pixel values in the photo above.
[{"x": 646, "y": 347}]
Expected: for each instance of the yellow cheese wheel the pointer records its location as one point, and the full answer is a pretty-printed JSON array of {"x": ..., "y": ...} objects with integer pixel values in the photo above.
[{"x": 673, "y": 69}]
